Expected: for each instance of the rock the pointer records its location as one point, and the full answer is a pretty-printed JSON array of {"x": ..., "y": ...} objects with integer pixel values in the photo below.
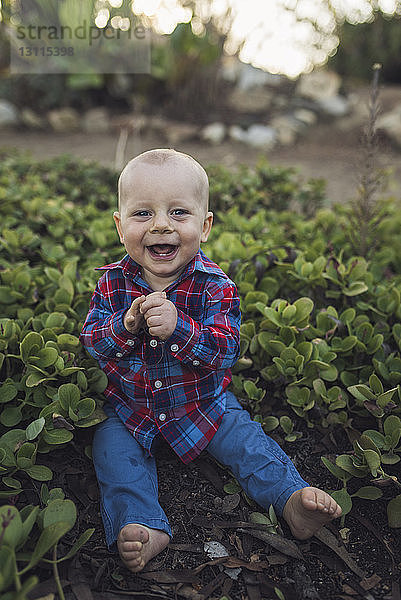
[
  {"x": 261, "y": 136},
  {"x": 8, "y": 114},
  {"x": 335, "y": 106},
  {"x": 258, "y": 136},
  {"x": 64, "y": 120},
  {"x": 214, "y": 133},
  {"x": 305, "y": 116},
  {"x": 96, "y": 120},
  {"x": 259, "y": 100},
  {"x": 390, "y": 123},
  {"x": 237, "y": 134},
  {"x": 319, "y": 85},
  {"x": 174, "y": 132},
  {"x": 31, "y": 119},
  {"x": 287, "y": 128}
]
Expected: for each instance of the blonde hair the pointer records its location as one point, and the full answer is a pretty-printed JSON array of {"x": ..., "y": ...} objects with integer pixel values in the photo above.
[{"x": 161, "y": 156}]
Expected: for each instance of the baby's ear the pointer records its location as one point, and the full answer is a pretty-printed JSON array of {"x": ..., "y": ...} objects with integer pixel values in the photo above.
[
  {"x": 207, "y": 225},
  {"x": 117, "y": 221}
]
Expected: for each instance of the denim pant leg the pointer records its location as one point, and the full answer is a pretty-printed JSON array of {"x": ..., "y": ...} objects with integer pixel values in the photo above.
[
  {"x": 258, "y": 463},
  {"x": 127, "y": 478}
]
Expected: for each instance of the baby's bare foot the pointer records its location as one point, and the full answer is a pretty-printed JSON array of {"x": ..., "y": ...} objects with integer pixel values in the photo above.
[
  {"x": 309, "y": 509},
  {"x": 137, "y": 544}
]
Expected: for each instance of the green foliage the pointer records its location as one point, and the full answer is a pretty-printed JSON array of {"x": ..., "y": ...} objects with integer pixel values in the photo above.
[
  {"x": 320, "y": 335},
  {"x": 363, "y": 44}
]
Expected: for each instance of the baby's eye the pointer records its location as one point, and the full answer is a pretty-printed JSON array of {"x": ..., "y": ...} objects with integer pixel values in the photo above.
[
  {"x": 142, "y": 213},
  {"x": 179, "y": 212}
]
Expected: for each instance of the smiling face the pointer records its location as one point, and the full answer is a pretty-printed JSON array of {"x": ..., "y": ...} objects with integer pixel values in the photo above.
[{"x": 163, "y": 215}]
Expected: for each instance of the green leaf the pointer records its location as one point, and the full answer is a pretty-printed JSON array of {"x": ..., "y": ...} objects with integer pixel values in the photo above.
[
  {"x": 69, "y": 395},
  {"x": 11, "y": 416},
  {"x": 44, "y": 358},
  {"x": 304, "y": 307},
  {"x": 35, "y": 379},
  {"x": 342, "y": 498},
  {"x": 368, "y": 493},
  {"x": 392, "y": 428},
  {"x": 394, "y": 512},
  {"x": 57, "y": 436},
  {"x": 355, "y": 288},
  {"x": 335, "y": 470},
  {"x": 34, "y": 428},
  {"x": 10, "y": 519},
  {"x": 373, "y": 460},
  {"x": 48, "y": 538},
  {"x": 270, "y": 423},
  {"x": 233, "y": 487},
  {"x": 83, "y": 538},
  {"x": 260, "y": 518},
  {"x": 8, "y": 391},
  {"x": 32, "y": 343},
  {"x": 39, "y": 472},
  {"x": 375, "y": 384},
  {"x": 60, "y": 511},
  {"x": 361, "y": 392},
  {"x": 7, "y": 571}
]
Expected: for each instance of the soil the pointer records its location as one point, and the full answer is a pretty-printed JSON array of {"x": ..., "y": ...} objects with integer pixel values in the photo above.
[{"x": 199, "y": 511}]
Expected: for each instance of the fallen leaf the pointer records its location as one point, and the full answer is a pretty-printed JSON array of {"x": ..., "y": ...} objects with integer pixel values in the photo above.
[
  {"x": 278, "y": 542},
  {"x": 370, "y": 582},
  {"x": 326, "y": 537}
]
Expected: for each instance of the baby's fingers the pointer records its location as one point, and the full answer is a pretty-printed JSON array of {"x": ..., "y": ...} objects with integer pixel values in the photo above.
[
  {"x": 153, "y": 300},
  {"x": 136, "y": 305}
]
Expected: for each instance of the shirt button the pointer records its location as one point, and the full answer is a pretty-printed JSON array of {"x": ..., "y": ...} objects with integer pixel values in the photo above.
[
  {"x": 174, "y": 348},
  {"x": 196, "y": 363},
  {"x": 118, "y": 354},
  {"x": 158, "y": 383},
  {"x": 162, "y": 417},
  {"x": 153, "y": 343},
  {"x": 130, "y": 342}
]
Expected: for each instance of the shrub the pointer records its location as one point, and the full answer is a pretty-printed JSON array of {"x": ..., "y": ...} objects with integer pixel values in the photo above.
[{"x": 320, "y": 337}]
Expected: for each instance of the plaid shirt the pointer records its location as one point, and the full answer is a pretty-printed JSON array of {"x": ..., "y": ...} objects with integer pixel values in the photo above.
[{"x": 175, "y": 387}]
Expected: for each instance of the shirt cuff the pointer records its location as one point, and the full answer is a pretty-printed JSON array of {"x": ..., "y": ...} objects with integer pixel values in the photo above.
[
  {"x": 124, "y": 339},
  {"x": 184, "y": 340}
]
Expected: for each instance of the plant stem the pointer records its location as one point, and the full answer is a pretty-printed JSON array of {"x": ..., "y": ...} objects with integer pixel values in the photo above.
[
  {"x": 57, "y": 575},
  {"x": 16, "y": 577}
]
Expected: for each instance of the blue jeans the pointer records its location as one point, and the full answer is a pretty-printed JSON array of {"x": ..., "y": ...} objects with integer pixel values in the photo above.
[{"x": 127, "y": 475}]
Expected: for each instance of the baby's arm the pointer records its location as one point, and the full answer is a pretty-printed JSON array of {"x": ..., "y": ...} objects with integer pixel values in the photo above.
[
  {"x": 104, "y": 333},
  {"x": 212, "y": 343}
]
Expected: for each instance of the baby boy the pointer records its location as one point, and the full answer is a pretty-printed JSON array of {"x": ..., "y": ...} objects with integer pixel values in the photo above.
[{"x": 163, "y": 324}]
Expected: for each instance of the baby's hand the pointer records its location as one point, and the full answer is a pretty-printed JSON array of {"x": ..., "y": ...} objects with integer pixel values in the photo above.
[
  {"x": 133, "y": 319},
  {"x": 160, "y": 315}
]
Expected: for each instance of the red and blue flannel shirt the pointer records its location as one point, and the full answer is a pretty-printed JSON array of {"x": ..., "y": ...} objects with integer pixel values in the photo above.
[{"x": 173, "y": 387}]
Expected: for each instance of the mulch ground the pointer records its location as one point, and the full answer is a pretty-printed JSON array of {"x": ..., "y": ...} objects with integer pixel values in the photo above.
[{"x": 363, "y": 562}]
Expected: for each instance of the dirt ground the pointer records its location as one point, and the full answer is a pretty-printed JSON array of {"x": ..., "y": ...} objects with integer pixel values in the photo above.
[{"x": 328, "y": 150}]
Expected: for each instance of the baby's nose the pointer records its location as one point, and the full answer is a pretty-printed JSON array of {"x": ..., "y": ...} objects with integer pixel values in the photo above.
[{"x": 161, "y": 223}]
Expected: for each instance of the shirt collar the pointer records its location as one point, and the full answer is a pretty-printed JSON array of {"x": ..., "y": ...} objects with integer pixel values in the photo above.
[{"x": 132, "y": 270}]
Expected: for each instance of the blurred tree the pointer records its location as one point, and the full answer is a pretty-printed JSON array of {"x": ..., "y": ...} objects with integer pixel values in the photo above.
[{"x": 363, "y": 44}]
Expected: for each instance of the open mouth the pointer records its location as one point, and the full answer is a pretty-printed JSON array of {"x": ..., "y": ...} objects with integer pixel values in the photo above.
[{"x": 162, "y": 250}]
